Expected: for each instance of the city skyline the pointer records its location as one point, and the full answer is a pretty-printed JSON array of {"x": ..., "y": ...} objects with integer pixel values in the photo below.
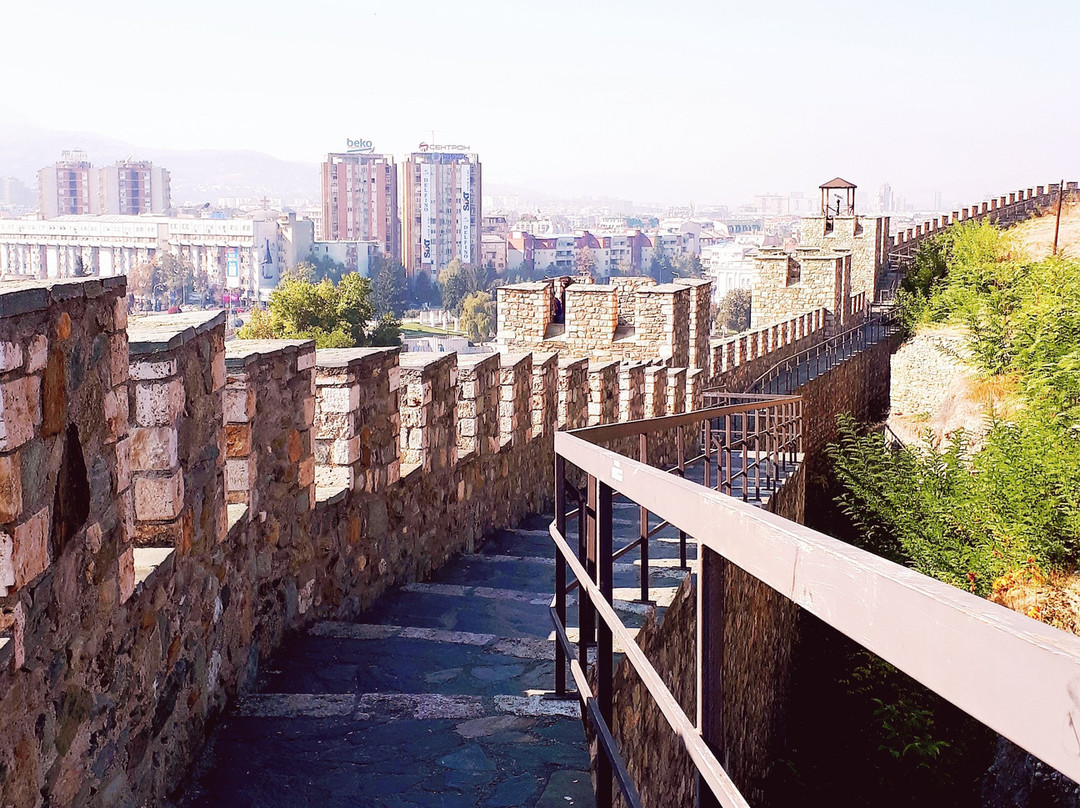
[{"x": 704, "y": 102}]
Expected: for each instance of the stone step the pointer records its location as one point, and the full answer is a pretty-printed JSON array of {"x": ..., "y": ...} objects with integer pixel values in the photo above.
[
  {"x": 418, "y": 706},
  {"x": 624, "y": 597}
]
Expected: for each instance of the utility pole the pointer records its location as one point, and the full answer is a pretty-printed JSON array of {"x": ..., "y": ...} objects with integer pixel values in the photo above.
[{"x": 1057, "y": 224}]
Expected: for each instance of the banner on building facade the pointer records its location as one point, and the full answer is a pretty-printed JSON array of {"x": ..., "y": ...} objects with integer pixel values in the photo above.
[
  {"x": 232, "y": 266},
  {"x": 427, "y": 215},
  {"x": 465, "y": 213}
]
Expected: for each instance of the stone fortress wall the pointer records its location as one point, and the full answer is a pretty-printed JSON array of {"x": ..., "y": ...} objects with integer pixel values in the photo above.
[
  {"x": 1004, "y": 210},
  {"x": 630, "y": 319},
  {"x": 171, "y": 504}
]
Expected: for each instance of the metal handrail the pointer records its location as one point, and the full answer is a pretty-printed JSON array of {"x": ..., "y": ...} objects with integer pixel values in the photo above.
[
  {"x": 977, "y": 655},
  {"x": 767, "y": 432},
  {"x": 881, "y": 317}
]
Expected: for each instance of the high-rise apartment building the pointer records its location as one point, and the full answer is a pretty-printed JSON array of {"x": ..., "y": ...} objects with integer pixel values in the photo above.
[
  {"x": 67, "y": 187},
  {"x": 360, "y": 200},
  {"x": 132, "y": 187},
  {"x": 72, "y": 186},
  {"x": 441, "y": 208}
]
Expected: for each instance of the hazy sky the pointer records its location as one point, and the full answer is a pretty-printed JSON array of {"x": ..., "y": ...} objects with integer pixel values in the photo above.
[{"x": 667, "y": 101}]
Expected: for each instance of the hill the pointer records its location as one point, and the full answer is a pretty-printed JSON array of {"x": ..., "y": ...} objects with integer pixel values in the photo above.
[{"x": 196, "y": 175}]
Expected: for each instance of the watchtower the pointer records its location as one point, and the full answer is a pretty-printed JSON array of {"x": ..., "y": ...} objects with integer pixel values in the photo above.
[{"x": 837, "y": 199}]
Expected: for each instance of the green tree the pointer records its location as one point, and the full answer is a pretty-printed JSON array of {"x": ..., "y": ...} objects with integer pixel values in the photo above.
[
  {"x": 334, "y": 316},
  {"x": 423, "y": 291},
  {"x": 586, "y": 261},
  {"x": 733, "y": 312},
  {"x": 456, "y": 282},
  {"x": 478, "y": 316},
  {"x": 688, "y": 265},
  {"x": 388, "y": 287},
  {"x": 660, "y": 265}
]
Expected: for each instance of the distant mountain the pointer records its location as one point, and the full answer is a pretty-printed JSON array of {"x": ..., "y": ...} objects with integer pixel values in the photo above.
[{"x": 196, "y": 176}]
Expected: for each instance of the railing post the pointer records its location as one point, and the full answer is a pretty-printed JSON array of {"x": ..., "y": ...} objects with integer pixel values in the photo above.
[
  {"x": 727, "y": 453},
  {"x": 643, "y": 534},
  {"x": 587, "y": 556},
  {"x": 680, "y": 451},
  {"x": 710, "y": 661},
  {"x": 605, "y": 673},
  {"x": 708, "y": 452},
  {"x": 560, "y": 572}
]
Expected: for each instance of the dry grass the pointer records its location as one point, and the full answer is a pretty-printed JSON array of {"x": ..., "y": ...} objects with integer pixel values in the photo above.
[
  {"x": 1036, "y": 236},
  {"x": 1052, "y": 598}
]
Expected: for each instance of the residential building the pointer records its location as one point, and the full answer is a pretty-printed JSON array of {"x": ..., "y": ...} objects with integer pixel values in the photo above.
[
  {"x": 66, "y": 188},
  {"x": 131, "y": 188},
  {"x": 493, "y": 250},
  {"x": 73, "y": 187},
  {"x": 441, "y": 210},
  {"x": 247, "y": 254},
  {"x": 360, "y": 200}
]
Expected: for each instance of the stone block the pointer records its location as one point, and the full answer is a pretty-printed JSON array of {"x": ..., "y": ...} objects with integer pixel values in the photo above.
[
  {"x": 20, "y": 411},
  {"x": 238, "y": 440},
  {"x": 240, "y": 473},
  {"x": 123, "y": 464},
  {"x": 30, "y": 549},
  {"x": 345, "y": 452},
  {"x": 239, "y": 405},
  {"x": 340, "y": 399},
  {"x": 331, "y": 425},
  {"x": 218, "y": 370},
  {"x": 144, "y": 371},
  {"x": 118, "y": 359},
  {"x": 307, "y": 472},
  {"x": 11, "y": 357},
  {"x": 114, "y": 406},
  {"x": 10, "y": 488},
  {"x": 153, "y": 448},
  {"x": 37, "y": 353},
  {"x": 158, "y": 403},
  {"x": 159, "y": 498},
  {"x": 126, "y": 573},
  {"x": 7, "y": 563}
]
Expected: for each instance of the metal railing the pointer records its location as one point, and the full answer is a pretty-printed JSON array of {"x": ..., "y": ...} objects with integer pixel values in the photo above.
[
  {"x": 1017, "y": 676},
  {"x": 785, "y": 375},
  {"x": 748, "y": 447}
]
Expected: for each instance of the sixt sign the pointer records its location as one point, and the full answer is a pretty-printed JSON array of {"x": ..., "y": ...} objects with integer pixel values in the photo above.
[{"x": 360, "y": 146}]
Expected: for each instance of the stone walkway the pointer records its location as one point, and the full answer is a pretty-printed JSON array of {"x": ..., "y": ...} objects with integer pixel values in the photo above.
[{"x": 436, "y": 699}]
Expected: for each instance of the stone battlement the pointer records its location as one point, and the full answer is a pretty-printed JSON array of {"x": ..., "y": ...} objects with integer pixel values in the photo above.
[
  {"x": 1004, "y": 210},
  {"x": 171, "y": 504},
  {"x": 631, "y": 319}
]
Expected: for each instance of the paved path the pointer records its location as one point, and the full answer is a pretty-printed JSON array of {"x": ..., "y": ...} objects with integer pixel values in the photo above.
[{"x": 436, "y": 699}]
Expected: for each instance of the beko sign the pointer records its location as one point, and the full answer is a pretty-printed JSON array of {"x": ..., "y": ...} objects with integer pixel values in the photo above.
[{"x": 359, "y": 146}]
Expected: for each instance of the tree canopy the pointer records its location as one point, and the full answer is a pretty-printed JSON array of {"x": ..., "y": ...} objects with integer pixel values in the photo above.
[
  {"x": 478, "y": 316},
  {"x": 341, "y": 316}
]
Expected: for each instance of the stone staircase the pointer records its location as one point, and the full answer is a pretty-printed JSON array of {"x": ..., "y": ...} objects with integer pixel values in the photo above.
[{"x": 441, "y": 697}]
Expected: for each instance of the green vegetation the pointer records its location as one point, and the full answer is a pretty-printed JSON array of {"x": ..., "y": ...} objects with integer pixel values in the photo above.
[
  {"x": 341, "y": 316},
  {"x": 1000, "y": 518},
  {"x": 478, "y": 316},
  {"x": 733, "y": 312},
  {"x": 972, "y": 515}
]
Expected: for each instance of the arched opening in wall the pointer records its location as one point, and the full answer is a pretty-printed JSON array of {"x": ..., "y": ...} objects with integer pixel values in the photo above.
[{"x": 71, "y": 502}]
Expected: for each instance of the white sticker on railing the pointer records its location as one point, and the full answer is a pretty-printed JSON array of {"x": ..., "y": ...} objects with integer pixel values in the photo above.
[{"x": 616, "y": 471}]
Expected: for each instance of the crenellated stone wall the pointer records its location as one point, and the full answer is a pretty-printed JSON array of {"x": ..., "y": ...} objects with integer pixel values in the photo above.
[
  {"x": 739, "y": 360},
  {"x": 267, "y": 484},
  {"x": 807, "y": 280},
  {"x": 1004, "y": 210},
  {"x": 629, "y": 319}
]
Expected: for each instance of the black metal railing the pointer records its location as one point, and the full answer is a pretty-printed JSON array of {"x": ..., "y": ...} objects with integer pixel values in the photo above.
[
  {"x": 747, "y": 447},
  {"x": 975, "y": 654},
  {"x": 786, "y": 375}
]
